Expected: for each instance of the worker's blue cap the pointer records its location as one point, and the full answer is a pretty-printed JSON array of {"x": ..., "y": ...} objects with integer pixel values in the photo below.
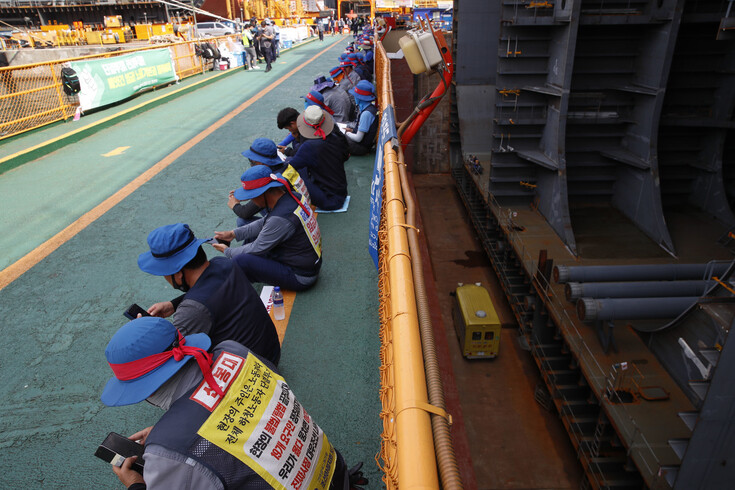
[
  {"x": 171, "y": 248},
  {"x": 263, "y": 151},
  {"x": 255, "y": 181},
  {"x": 132, "y": 344}
]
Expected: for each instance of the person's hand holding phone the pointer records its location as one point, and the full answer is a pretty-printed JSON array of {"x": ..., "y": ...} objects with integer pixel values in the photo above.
[
  {"x": 126, "y": 474},
  {"x": 141, "y": 436},
  {"x": 162, "y": 310}
]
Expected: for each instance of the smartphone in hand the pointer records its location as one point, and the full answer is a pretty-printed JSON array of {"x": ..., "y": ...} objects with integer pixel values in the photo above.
[
  {"x": 115, "y": 449},
  {"x": 133, "y": 310}
]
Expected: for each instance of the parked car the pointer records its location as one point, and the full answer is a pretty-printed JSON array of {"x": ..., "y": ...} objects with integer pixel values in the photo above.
[
  {"x": 235, "y": 26},
  {"x": 206, "y": 29}
]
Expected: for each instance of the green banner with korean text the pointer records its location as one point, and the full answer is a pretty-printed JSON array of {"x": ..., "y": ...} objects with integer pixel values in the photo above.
[{"x": 109, "y": 80}]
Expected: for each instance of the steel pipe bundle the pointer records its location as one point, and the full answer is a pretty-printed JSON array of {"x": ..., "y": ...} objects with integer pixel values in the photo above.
[
  {"x": 590, "y": 309},
  {"x": 647, "y": 272},
  {"x": 641, "y": 289}
]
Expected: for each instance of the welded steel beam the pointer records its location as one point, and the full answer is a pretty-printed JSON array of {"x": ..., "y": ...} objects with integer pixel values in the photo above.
[
  {"x": 647, "y": 272},
  {"x": 640, "y": 289},
  {"x": 591, "y": 309},
  {"x": 637, "y": 191},
  {"x": 551, "y": 185}
]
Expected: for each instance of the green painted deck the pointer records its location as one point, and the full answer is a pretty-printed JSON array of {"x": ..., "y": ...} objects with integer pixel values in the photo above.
[{"x": 59, "y": 315}]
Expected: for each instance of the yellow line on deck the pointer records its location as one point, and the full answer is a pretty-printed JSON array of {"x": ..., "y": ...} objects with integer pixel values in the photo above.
[{"x": 22, "y": 265}]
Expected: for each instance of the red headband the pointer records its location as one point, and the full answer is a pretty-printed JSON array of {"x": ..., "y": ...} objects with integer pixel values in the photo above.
[
  {"x": 249, "y": 185},
  {"x": 135, "y": 369},
  {"x": 263, "y": 181},
  {"x": 320, "y": 104},
  {"x": 363, "y": 92}
]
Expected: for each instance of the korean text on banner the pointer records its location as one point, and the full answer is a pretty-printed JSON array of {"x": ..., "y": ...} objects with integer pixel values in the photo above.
[
  {"x": 387, "y": 133},
  {"x": 108, "y": 80},
  {"x": 260, "y": 422}
]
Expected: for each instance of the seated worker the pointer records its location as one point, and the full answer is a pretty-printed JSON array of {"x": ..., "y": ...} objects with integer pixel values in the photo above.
[
  {"x": 284, "y": 248},
  {"x": 286, "y": 119},
  {"x": 348, "y": 68},
  {"x": 264, "y": 152},
  {"x": 223, "y": 416},
  {"x": 317, "y": 99},
  {"x": 321, "y": 159},
  {"x": 339, "y": 77},
  {"x": 358, "y": 66},
  {"x": 362, "y": 139},
  {"x": 338, "y": 100},
  {"x": 218, "y": 299},
  {"x": 368, "y": 57}
]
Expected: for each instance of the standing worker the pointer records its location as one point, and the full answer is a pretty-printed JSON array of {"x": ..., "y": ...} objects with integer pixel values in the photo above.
[
  {"x": 267, "y": 36},
  {"x": 251, "y": 57}
]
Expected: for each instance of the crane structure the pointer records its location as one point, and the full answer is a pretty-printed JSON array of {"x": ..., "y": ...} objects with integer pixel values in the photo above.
[{"x": 274, "y": 9}]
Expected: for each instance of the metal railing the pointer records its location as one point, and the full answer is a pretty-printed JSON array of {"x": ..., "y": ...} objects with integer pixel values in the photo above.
[
  {"x": 407, "y": 455},
  {"x": 31, "y": 95}
]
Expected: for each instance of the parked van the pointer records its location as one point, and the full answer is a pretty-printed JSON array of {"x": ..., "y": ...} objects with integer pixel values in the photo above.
[{"x": 207, "y": 29}]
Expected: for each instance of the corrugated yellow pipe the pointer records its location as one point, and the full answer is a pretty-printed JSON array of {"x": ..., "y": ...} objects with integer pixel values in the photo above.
[{"x": 414, "y": 440}]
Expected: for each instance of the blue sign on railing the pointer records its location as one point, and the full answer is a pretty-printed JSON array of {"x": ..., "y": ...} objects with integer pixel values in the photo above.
[{"x": 387, "y": 133}]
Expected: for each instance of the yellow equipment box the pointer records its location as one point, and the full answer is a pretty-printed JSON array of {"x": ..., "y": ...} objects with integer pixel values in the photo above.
[
  {"x": 113, "y": 20},
  {"x": 476, "y": 322}
]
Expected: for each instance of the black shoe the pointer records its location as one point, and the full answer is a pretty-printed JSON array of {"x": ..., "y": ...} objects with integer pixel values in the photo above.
[
  {"x": 267, "y": 69},
  {"x": 357, "y": 480}
]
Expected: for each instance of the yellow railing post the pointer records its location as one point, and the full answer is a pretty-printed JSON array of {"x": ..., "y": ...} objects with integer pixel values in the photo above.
[{"x": 57, "y": 85}]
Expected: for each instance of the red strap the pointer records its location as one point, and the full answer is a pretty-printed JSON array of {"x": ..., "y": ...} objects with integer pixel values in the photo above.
[
  {"x": 320, "y": 104},
  {"x": 287, "y": 185},
  {"x": 135, "y": 369},
  {"x": 255, "y": 184},
  {"x": 319, "y": 131}
]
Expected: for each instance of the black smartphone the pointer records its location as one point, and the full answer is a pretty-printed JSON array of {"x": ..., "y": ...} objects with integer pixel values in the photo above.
[
  {"x": 133, "y": 310},
  {"x": 116, "y": 448},
  {"x": 218, "y": 240}
]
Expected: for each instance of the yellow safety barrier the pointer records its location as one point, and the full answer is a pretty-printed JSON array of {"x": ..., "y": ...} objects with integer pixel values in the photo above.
[
  {"x": 407, "y": 455},
  {"x": 31, "y": 95}
]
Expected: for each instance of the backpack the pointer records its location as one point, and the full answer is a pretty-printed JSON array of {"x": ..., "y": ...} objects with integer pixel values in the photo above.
[
  {"x": 213, "y": 49},
  {"x": 208, "y": 51},
  {"x": 70, "y": 81}
]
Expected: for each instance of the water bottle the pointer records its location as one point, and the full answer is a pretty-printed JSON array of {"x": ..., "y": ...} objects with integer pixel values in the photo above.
[{"x": 279, "y": 311}]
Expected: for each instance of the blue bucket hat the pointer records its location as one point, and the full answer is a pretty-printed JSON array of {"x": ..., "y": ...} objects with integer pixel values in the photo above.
[
  {"x": 313, "y": 98},
  {"x": 364, "y": 91},
  {"x": 317, "y": 99},
  {"x": 137, "y": 340},
  {"x": 171, "y": 248},
  {"x": 255, "y": 181},
  {"x": 263, "y": 151}
]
